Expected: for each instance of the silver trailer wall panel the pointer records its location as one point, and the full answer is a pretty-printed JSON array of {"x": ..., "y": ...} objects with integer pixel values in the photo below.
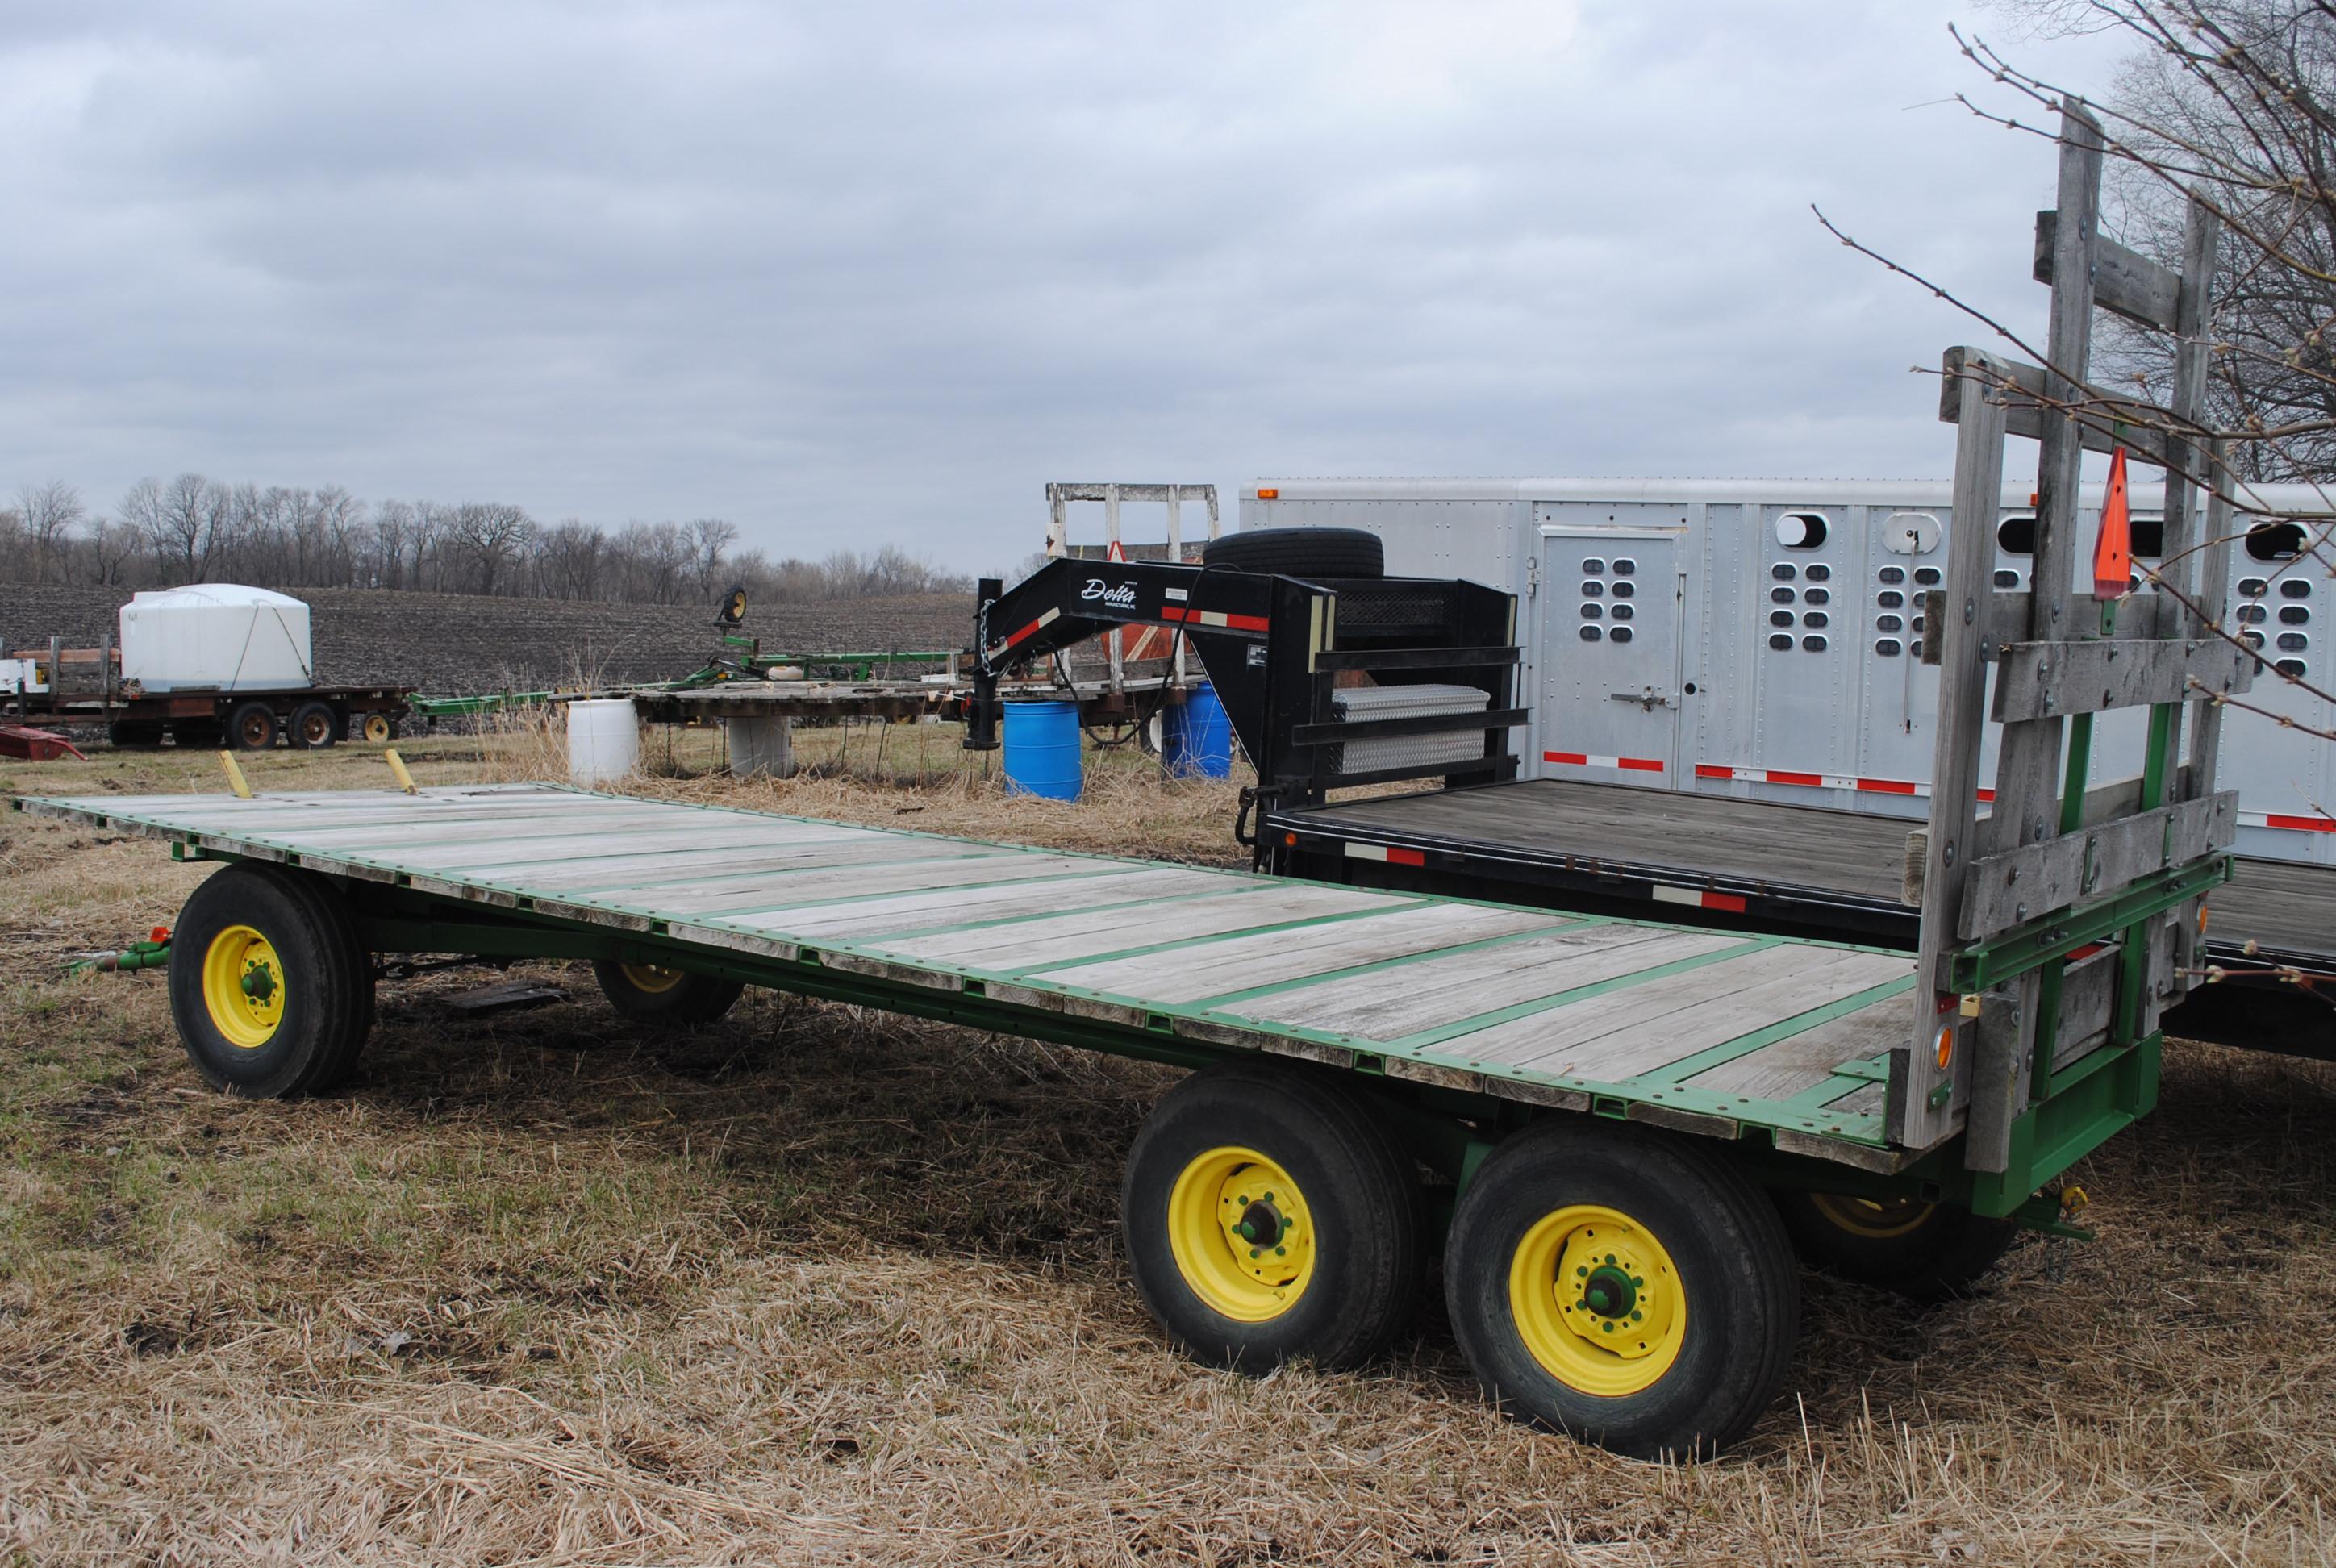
[{"x": 1763, "y": 638}]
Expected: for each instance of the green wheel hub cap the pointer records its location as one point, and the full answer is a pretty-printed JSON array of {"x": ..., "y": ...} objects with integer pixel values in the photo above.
[{"x": 1610, "y": 1292}]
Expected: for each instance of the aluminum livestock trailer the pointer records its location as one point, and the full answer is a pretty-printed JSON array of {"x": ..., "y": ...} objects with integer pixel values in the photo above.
[{"x": 1731, "y": 714}]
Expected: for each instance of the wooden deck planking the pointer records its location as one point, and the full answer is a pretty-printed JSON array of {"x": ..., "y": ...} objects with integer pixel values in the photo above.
[
  {"x": 1800, "y": 1062},
  {"x": 627, "y": 868},
  {"x": 865, "y": 924},
  {"x": 1407, "y": 973},
  {"x": 830, "y": 884},
  {"x": 1620, "y": 1034},
  {"x": 2288, "y": 906},
  {"x": 515, "y": 831},
  {"x": 518, "y": 857},
  {"x": 1618, "y": 822},
  {"x": 773, "y": 877},
  {"x": 1051, "y": 943},
  {"x": 1395, "y": 1003},
  {"x": 1239, "y": 964}
]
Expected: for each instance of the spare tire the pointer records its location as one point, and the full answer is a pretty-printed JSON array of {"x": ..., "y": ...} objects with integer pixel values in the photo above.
[{"x": 1308, "y": 552}]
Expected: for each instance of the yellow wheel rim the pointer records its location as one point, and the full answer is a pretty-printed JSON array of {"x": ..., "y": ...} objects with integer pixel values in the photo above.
[
  {"x": 243, "y": 986},
  {"x": 1242, "y": 1234},
  {"x": 376, "y": 728},
  {"x": 1880, "y": 1220},
  {"x": 1596, "y": 1301},
  {"x": 652, "y": 978}
]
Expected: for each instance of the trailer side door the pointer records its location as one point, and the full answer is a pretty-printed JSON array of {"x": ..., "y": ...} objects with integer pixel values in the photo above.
[{"x": 1611, "y": 635}]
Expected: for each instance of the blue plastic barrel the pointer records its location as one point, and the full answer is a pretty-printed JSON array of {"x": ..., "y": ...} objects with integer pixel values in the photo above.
[
  {"x": 1042, "y": 749},
  {"x": 1197, "y": 739}
]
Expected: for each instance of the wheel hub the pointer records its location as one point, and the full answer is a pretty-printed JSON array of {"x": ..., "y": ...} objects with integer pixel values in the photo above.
[
  {"x": 1242, "y": 1234},
  {"x": 1609, "y": 1291},
  {"x": 244, "y": 987},
  {"x": 1270, "y": 1240},
  {"x": 1597, "y": 1300}
]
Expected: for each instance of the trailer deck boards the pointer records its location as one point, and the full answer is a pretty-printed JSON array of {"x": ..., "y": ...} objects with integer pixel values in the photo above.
[
  {"x": 1715, "y": 1031},
  {"x": 1837, "y": 871}
]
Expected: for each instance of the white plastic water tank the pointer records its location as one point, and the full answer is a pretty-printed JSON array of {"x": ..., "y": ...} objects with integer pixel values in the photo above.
[
  {"x": 216, "y": 636},
  {"x": 604, "y": 740}
]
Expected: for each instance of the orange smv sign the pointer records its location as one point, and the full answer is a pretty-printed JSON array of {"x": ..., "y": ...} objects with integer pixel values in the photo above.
[{"x": 2113, "y": 554}]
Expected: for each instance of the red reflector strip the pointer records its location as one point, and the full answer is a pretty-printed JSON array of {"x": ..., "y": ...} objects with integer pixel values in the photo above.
[
  {"x": 2087, "y": 951},
  {"x": 1699, "y": 898},
  {"x": 1052, "y": 615},
  {"x": 1392, "y": 856},
  {"x": 1862, "y": 785},
  {"x": 2292, "y": 824},
  {"x": 1593, "y": 759},
  {"x": 1214, "y": 617}
]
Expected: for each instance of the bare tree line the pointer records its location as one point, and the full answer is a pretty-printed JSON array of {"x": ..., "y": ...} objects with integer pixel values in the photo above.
[{"x": 193, "y": 529}]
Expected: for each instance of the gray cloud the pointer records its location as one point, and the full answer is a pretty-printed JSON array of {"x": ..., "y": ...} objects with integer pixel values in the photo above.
[{"x": 857, "y": 274}]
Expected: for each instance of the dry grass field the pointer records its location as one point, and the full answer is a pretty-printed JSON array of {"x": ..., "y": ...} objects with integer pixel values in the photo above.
[{"x": 822, "y": 1286}]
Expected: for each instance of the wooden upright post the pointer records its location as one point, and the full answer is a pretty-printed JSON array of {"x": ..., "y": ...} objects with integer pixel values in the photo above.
[{"x": 1923, "y": 1087}]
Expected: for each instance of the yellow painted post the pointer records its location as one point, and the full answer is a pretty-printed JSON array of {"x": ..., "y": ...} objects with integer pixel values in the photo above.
[
  {"x": 234, "y": 775},
  {"x": 397, "y": 766}
]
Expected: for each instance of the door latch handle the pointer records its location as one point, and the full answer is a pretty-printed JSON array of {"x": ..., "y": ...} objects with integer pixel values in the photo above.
[{"x": 1648, "y": 699}]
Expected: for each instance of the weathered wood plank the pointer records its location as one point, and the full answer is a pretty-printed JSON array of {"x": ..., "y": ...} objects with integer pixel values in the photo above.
[
  {"x": 1277, "y": 958},
  {"x": 1438, "y": 993},
  {"x": 1802, "y": 1061},
  {"x": 495, "y": 861},
  {"x": 2004, "y": 618},
  {"x": 647, "y": 871},
  {"x": 1951, "y": 836},
  {"x": 1049, "y": 942},
  {"x": 937, "y": 912},
  {"x": 2009, "y": 890},
  {"x": 2124, "y": 280},
  {"x": 772, "y": 900},
  {"x": 1617, "y": 1035},
  {"x": 2106, "y": 421},
  {"x": 2037, "y": 680}
]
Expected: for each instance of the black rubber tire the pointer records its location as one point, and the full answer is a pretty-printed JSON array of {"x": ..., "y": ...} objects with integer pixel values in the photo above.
[
  {"x": 1307, "y": 552},
  {"x": 252, "y": 727},
  {"x": 1925, "y": 1252},
  {"x": 690, "y": 1000},
  {"x": 314, "y": 727},
  {"x": 327, "y": 1008},
  {"x": 1737, "y": 1282},
  {"x": 333, "y": 914},
  {"x": 1362, "y": 1193},
  {"x": 128, "y": 734}
]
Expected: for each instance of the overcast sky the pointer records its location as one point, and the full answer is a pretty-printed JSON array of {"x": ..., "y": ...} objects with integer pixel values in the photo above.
[{"x": 857, "y": 274}]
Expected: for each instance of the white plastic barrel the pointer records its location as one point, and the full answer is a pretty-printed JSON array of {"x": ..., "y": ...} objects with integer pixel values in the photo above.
[{"x": 604, "y": 740}]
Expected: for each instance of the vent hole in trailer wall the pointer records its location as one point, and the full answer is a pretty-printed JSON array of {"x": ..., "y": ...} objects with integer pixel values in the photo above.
[
  {"x": 1801, "y": 530},
  {"x": 2017, "y": 535},
  {"x": 2275, "y": 541}
]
